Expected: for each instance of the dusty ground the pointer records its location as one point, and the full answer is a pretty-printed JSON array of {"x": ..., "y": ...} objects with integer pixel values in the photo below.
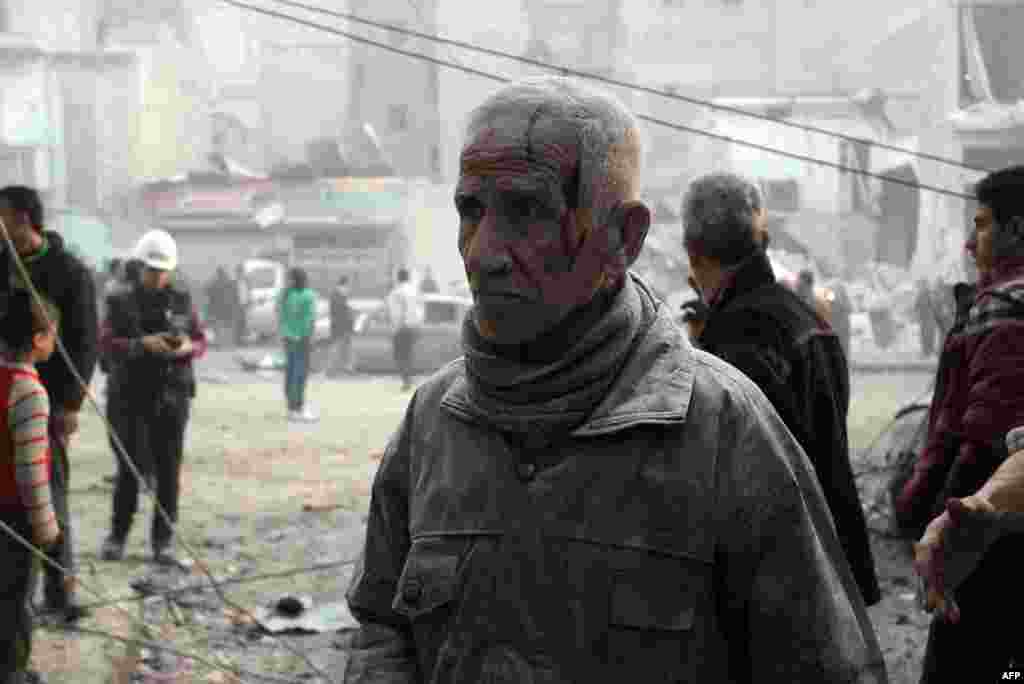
[{"x": 248, "y": 474}]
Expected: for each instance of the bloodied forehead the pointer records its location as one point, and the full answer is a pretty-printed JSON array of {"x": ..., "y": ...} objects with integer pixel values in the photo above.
[
  {"x": 519, "y": 146},
  {"x": 555, "y": 131}
]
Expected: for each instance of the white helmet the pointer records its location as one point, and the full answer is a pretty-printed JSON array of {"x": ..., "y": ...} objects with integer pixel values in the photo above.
[{"x": 157, "y": 249}]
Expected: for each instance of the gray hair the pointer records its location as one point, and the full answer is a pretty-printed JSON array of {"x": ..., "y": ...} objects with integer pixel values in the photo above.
[
  {"x": 719, "y": 212},
  {"x": 604, "y": 132}
]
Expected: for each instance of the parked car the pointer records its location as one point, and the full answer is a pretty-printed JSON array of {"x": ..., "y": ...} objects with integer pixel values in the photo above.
[
  {"x": 262, "y": 319},
  {"x": 438, "y": 342},
  {"x": 266, "y": 279}
]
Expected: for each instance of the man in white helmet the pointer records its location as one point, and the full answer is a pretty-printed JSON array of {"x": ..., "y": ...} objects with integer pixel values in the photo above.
[{"x": 152, "y": 332}]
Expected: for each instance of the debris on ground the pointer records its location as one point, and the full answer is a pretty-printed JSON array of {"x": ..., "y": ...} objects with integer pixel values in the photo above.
[{"x": 301, "y": 614}]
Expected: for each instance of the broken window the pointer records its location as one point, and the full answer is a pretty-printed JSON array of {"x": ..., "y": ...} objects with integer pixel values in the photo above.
[{"x": 991, "y": 53}]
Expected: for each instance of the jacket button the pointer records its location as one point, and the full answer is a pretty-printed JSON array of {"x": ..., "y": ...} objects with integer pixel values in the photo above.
[
  {"x": 412, "y": 591},
  {"x": 526, "y": 470}
]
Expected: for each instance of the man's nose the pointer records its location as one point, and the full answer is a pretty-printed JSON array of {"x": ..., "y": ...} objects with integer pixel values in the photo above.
[{"x": 487, "y": 252}]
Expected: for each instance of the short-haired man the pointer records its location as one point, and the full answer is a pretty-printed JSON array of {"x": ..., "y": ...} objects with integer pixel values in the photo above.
[
  {"x": 977, "y": 401},
  {"x": 584, "y": 497},
  {"x": 343, "y": 322},
  {"x": 63, "y": 280},
  {"x": 778, "y": 340},
  {"x": 406, "y": 312}
]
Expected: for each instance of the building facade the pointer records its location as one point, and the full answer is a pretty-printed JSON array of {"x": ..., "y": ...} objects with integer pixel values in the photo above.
[
  {"x": 66, "y": 103},
  {"x": 397, "y": 96}
]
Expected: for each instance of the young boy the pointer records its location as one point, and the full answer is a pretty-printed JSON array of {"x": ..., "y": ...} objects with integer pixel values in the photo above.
[{"x": 26, "y": 338}]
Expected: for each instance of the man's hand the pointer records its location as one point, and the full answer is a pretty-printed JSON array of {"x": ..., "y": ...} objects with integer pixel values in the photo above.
[
  {"x": 181, "y": 346},
  {"x": 47, "y": 540},
  {"x": 156, "y": 344},
  {"x": 951, "y": 549}
]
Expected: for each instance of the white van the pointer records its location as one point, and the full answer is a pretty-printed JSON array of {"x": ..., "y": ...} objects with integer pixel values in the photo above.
[{"x": 266, "y": 281}]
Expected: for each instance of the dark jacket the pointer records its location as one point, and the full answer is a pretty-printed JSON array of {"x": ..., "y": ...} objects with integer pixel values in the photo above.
[
  {"x": 134, "y": 312},
  {"x": 221, "y": 299},
  {"x": 780, "y": 343},
  {"x": 678, "y": 535},
  {"x": 342, "y": 319},
  {"x": 977, "y": 398},
  {"x": 68, "y": 283}
]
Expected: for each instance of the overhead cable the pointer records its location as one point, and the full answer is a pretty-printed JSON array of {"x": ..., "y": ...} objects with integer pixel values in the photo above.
[
  {"x": 122, "y": 453},
  {"x": 247, "y": 579},
  {"x": 233, "y": 671},
  {"x": 607, "y": 80},
  {"x": 643, "y": 117},
  {"x": 139, "y": 622}
]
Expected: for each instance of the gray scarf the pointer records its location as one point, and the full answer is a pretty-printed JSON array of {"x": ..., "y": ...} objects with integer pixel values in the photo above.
[{"x": 555, "y": 396}]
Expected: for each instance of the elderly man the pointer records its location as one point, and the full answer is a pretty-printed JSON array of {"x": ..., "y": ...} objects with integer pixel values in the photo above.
[
  {"x": 584, "y": 497},
  {"x": 779, "y": 342},
  {"x": 977, "y": 401}
]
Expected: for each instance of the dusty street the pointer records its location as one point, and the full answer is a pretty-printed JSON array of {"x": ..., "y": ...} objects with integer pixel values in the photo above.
[{"x": 248, "y": 476}]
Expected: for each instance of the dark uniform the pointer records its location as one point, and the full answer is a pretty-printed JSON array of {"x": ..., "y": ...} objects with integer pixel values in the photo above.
[
  {"x": 795, "y": 358},
  {"x": 149, "y": 399}
]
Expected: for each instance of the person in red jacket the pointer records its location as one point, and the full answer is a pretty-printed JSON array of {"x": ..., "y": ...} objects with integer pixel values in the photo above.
[
  {"x": 977, "y": 401},
  {"x": 29, "y": 336},
  {"x": 64, "y": 280}
]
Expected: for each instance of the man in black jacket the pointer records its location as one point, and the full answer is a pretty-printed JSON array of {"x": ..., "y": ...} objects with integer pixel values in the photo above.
[
  {"x": 153, "y": 334},
  {"x": 780, "y": 343},
  {"x": 68, "y": 283},
  {"x": 342, "y": 326}
]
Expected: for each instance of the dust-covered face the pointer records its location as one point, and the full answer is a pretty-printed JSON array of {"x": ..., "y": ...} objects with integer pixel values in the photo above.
[
  {"x": 980, "y": 243},
  {"x": 18, "y": 227},
  {"x": 155, "y": 278},
  {"x": 531, "y": 256}
]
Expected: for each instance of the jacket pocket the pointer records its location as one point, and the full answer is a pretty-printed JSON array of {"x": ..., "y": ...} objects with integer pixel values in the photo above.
[
  {"x": 642, "y": 607},
  {"x": 429, "y": 578},
  {"x": 653, "y": 611},
  {"x": 427, "y": 596}
]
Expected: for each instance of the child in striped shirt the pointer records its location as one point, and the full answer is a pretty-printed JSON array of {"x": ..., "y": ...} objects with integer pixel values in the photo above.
[{"x": 28, "y": 335}]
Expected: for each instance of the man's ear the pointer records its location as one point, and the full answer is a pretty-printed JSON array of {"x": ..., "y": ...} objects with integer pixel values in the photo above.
[
  {"x": 632, "y": 222},
  {"x": 761, "y": 227}
]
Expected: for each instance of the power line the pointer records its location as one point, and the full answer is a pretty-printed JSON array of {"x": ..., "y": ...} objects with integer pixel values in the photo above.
[
  {"x": 626, "y": 84},
  {"x": 39, "y": 553},
  {"x": 804, "y": 158},
  {"x": 171, "y": 593},
  {"x": 155, "y": 646},
  {"x": 120, "y": 450},
  {"x": 643, "y": 117}
]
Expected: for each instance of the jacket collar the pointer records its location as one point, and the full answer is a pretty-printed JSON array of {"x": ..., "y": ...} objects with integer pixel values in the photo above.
[
  {"x": 654, "y": 387},
  {"x": 751, "y": 274},
  {"x": 1003, "y": 271}
]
